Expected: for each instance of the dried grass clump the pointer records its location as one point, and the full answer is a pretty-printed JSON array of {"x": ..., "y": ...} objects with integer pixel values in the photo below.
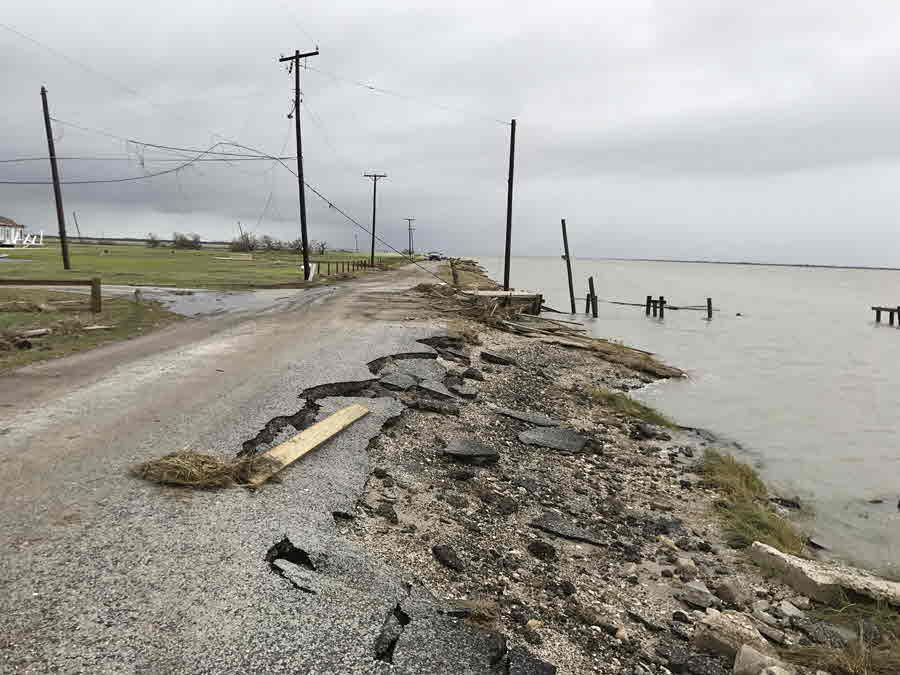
[{"x": 196, "y": 469}]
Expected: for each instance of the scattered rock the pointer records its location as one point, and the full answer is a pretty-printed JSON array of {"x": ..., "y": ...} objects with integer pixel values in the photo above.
[
  {"x": 432, "y": 405},
  {"x": 733, "y": 593},
  {"x": 542, "y": 550},
  {"x": 681, "y": 616},
  {"x": 697, "y": 594},
  {"x": 380, "y": 472},
  {"x": 647, "y": 432},
  {"x": 786, "y": 610},
  {"x": 465, "y": 391},
  {"x": 537, "y": 419},
  {"x": 497, "y": 359},
  {"x": 456, "y": 500},
  {"x": 473, "y": 374},
  {"x": 523, "y": 663},
  {"x": 461, "y": 474},
  {"x": 726, "y": 632},
  {"x": 749, "y": 661},
  {"x": 557, "y": 439},
  {"x": 824, "y": 582},
  {"x": 386, "y": 511},
  {"x": 822, "y": 633},
  {"x": 555, "y": 523},
  {"x": 472, "y": 452},
  {"x": 686, "y": 569},
  {"x": 446, "y": 555}
]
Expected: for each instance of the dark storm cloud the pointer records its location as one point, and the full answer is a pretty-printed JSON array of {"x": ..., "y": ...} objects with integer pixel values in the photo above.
[{"x": 691, "y": 127}]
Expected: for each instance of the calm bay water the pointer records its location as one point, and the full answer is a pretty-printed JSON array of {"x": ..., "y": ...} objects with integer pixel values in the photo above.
[{"x": 803, "y": 379}]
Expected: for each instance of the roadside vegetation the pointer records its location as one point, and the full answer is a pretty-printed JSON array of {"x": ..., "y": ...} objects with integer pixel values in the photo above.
[
  {"x": 157, "y": 263},
  {"x": 745, "y": 511},
  {"x": 622, "y": 404},
  {"x": 68, "y": 316}
]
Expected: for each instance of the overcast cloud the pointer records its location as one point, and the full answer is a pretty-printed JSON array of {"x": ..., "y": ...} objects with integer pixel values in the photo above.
[{"x": 765, "y": 131}]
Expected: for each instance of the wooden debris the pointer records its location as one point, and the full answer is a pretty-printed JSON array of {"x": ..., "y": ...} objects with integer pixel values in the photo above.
[{"x": 308, "y": 439}]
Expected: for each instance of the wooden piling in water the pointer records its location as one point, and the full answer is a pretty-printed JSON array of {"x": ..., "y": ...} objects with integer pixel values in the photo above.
[
  {"x": 709, "y": 309},
  {"x": 662, "y": 307},
  {"x": 568, "y": 265},
  {"x": 891, "y": 317},
  {"x": 593, "y": 293},
  {"x": 647, "y": 308}
]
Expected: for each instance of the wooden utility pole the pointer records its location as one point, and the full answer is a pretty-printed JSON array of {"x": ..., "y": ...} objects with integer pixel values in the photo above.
[
  {"x": 509, "y": 200},
  {"x": 568, "y": 265},
  {"x": 57, "y": 191},
  {"x": 375, "y": 178},
  {"x": 410, "y": 222},
  {"x": 295, "y": 64},
  {"x": 77, "y": 229}
]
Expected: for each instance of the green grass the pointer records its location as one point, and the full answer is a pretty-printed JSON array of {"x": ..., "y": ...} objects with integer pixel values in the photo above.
[
  {"x": 625, "y": 405},
  {"x": 745, "y": 512},
  {"x": 140, "y": 265},
  {"x": 129, "y": 319}
]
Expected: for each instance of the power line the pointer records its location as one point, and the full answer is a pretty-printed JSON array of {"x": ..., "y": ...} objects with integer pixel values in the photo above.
[
  {"x": 118, "y": 158},
  {"x": 388, "y": 92}
]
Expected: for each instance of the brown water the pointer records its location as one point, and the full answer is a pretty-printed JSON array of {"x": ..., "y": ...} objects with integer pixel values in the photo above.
[{"x": 803, "y": 379}]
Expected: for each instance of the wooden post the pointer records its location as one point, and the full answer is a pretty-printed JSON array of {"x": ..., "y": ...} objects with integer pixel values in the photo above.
[
  {"x": 891, "y": 316},
  {"x": 96, "y": 298},
  {"x": 877, "y": 315},
  {"x": 655, "y": 305},
  {"x": 709, "y": 309},
  {"x": 593, "y": 297},
  {"x": 509, "y": 203},
  {"x": 647, "y": 308},
  {"x": 898, "y": 317},
  {"x": 662, "y": 307},
  {"x": 587, "y": 302},
  {"x": 568, "y": 265}
]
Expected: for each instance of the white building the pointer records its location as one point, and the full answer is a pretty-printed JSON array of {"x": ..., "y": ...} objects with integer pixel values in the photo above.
[{"x": 11, "y": 233}]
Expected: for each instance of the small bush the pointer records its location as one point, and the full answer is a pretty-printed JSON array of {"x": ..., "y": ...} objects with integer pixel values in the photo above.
[
  {"x": 625, "y": 405},
  {"x": 186, "y": 241},
  {"x": 246, "y": 243},
  {"x": 268, "y": 243},
  {"x": 746, "y": 514},
  {"x": 152, "y": 240}
]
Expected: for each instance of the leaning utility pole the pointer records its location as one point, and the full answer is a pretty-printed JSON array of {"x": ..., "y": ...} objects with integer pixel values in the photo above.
[
  {"x": 509, "y": 195},
  {"x": 375, "y": 177},
  {"x": 410, "y": 222},
  {"x": 57, "y": 191},
  {"x": 295, "y": 64},
  {"x": 77, "y": 229}
]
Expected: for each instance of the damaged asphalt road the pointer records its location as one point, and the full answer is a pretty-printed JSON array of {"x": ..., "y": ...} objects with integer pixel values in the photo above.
[{"x": 105, "y": 573}]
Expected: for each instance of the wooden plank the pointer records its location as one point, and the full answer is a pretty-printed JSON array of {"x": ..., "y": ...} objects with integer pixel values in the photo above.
[
  {"x": 43, "y": 282},
  {"x": 307, "y": 440}
]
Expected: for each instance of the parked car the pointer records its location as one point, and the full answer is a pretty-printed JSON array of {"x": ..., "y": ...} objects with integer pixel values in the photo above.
[{"x": 435, "y": 255}]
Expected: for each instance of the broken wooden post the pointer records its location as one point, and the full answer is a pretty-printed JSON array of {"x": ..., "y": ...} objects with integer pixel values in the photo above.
[
  {"x": 891, "y": 317},
  {"x": 654, "y": 305},
  {"x": 96, "y": 298},
  {"x": 593, "y": 297},
  {"x": 568, "y": 265},
  {"x": 662, "y": 307},
  {"x": 647, "y": 308},
  {"x": 709, "y": 309},
  {"x": 878, "y": 315}
]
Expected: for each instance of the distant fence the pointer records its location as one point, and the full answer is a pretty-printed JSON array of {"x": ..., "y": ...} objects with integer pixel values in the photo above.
[{"x": 96, "y": 298}]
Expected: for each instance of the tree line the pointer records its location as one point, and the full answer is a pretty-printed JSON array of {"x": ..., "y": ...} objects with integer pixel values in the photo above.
[{"x": 247, "y": 242}]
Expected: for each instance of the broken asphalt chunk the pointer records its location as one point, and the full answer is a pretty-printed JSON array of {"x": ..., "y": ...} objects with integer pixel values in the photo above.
[
  {"x": 433, "y": 405},
  {"x": 465, "y": 391},
  {"x": 555, "y": 523},
  {"x": 436, "y": 389},
  {"x": 521, "y": 662},
  {"x": 398, "y": 381},
  {"x": 493, "y": 357},
  {"x": 473, "y": 374},
  {"x": 471, "y": 452},
  {"x": 532, "y": 418},
  {"x": 557, "y": 439},
  {"x": 447, "y": 557}
]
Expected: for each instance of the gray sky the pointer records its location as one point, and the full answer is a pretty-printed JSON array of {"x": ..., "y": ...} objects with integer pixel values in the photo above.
[{"x": 709, "y": 129}]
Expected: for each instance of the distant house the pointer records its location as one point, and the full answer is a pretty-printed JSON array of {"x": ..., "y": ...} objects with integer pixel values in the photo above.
[{"x": 11, "y": 232}]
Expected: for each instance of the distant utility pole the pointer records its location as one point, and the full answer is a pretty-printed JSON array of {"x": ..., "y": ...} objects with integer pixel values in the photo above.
[
  {"x": 356, "y": 241},
  {"x": 375, "y": 178},
  {"x": 295, "y": 64},
  {"x": 509, "y": 200},
  {"x": 77, "y": 229},
  {"x": 410, "y": 222},
  {"x": 57, "y": 191}
]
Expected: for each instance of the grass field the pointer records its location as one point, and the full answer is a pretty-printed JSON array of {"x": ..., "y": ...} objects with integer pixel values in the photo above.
[
  {"x": 164, "y": 266},
  {"x": 50, "y": 309}
]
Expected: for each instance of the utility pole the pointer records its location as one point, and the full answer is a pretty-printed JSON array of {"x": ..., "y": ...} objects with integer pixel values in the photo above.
[
  {"x": 356, "y": 241},
  {"x": 57, "y": 191},
  {"x": 375, "y": 178},
  {"x": 509, "y": 200},
  {"x": 77, "y": 229},
  {"x": 295, "y": 64},
  {"x": 568, "y": 264},
  {"x": 410, "y": 222}
]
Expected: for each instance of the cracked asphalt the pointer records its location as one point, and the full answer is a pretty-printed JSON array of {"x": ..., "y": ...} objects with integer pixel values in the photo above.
[{"x": 102, "y": 572}]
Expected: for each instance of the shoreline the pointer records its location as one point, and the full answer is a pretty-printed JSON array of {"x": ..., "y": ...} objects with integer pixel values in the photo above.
[{"x": 592, "y": 544}]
